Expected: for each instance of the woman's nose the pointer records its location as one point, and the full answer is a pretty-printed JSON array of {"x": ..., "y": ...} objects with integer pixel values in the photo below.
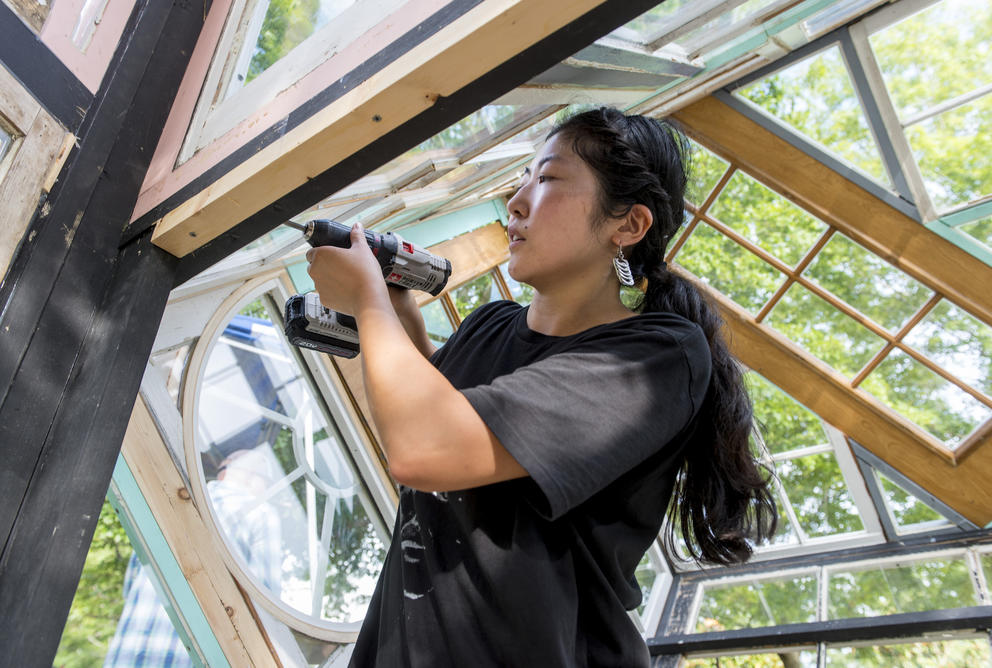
[{"x": 517, "y": 205}]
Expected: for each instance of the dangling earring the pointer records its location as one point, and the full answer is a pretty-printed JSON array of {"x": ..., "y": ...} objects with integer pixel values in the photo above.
[{"x": 622, "y": 267}]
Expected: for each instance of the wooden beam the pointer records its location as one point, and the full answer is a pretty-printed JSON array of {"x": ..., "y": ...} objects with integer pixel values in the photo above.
[
  {"x": 194, "y": 547},
  {"x": 908, "y": 245},
  {"x": 919, "y": 456},
  {"x": 468, "y": 48}
]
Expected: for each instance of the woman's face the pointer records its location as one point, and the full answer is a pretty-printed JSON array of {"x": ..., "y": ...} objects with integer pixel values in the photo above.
[{"x": 553, "y": 227}]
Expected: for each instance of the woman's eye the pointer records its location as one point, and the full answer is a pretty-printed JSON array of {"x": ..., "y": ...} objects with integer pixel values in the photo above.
[{"x": 542, "y": 178}]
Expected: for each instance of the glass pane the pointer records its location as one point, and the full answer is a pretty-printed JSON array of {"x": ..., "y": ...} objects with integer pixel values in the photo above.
[
  {"x": 958, "y": 342},
  {"x": 481, "y": 124},
  {"x": 436, "y": 320},
  {"x": 521, "y": 292},
  {"x": 819, "y": 495},
  {"x": 767, "y": 219},
  {"x": 646, "y": 577},
  {"x": 738, "y": 14},
  {"x": 980, "y": 230},
  {"x": 916, "y": 392},
  {"x": 286, "y": 24},
  {"x": 5, "y": 142},
  {"x": 938, "y": 654},
  {"x": 706, "y": 169},
  {"x": 281, "y": 487},
  {"x": 785, "y": 425},
  {"x": 732, "y": 270},
  {"x": 838, "y": 340},
  {"x": 936, "y": 54},
  {"x": 913, "y": 587},
  {"x": 648, "y": 22},
  {"x": 986, "y": 560},
  {"x": 867, "y": 282},
  {"x": 906, "y": 508},
  {"x": 756, "y": 604},
  {"x": 474, "y": 294},
  {"x": 783, "y": 659},
  {"x": 815, "y": 97},
  {"x": 953, "y": 151},
  {"x": 784, "y": 533}
]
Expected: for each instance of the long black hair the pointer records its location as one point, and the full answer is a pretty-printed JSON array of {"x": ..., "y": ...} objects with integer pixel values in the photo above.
[{"x": 722, "y": 499}]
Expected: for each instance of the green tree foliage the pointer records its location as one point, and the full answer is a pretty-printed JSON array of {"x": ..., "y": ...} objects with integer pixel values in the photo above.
[
  {"x": 474, "y": 294},
  {"x": 923, "y": 585},
  {"x": 932, "y": 57},
  {"x": 755, "y": 604},
  {"x": 287, "y": 23},
  {"x": 906, "y": 508},
  {"x": 940, "y": 654},
  {"x": 980, "y": 230},
  {"x": 99, "y": 599},
  {"x": 815, "y": 97}
]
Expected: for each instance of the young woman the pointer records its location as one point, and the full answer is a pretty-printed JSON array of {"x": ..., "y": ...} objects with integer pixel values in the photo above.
[{"x": 538, "y": 450}]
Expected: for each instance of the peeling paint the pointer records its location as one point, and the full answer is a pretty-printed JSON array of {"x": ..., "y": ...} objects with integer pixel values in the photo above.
[{"x": 70, "y": 234}]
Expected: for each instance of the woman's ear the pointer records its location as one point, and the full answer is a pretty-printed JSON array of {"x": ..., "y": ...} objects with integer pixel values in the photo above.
[{"x": 633, "y": 226}]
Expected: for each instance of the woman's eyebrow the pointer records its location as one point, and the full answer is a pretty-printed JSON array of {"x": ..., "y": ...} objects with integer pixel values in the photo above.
[{"x": 547, "y": 158}]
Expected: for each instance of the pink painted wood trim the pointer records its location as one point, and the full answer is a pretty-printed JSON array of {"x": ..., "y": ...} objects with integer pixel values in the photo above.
[
  {"x": 165, "y": 179},
  {"x": 89, "y": 65}
]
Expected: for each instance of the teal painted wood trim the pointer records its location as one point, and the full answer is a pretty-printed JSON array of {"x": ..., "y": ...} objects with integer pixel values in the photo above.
[
  {"x": 450, "y": 225},
  {"x": 968, "y": 215},
  {"x": 758, "y": 36},
  {"x": 963, "y": 241},
  {"x": 301, "y": 279},
  {"x": 154, "y": 553}
]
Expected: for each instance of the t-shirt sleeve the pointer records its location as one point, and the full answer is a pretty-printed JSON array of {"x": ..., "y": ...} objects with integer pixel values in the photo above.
[{"x": 579, "y": 419}]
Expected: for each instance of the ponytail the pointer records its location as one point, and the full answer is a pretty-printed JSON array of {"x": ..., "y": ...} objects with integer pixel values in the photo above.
[{"x": 721, "y": 501}]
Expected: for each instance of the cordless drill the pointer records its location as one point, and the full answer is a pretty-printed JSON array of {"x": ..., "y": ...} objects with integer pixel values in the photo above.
[{"x": 310, "y": 325}]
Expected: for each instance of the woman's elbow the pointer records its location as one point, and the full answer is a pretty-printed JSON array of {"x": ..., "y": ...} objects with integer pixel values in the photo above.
[{"x": 411, "y": 466}]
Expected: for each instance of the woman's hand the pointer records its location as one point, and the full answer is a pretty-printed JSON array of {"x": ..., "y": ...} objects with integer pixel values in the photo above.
[{"x": 346, "y": 278}]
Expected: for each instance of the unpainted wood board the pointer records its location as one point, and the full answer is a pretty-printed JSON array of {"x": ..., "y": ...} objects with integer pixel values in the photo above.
[
  {"x": 194, "y": 547},
  {"x": 472, "y": 45},
  {"x": 474, "y": 253},
  {"x": 33, "y": 12},
  {"x": 21, "y": 188},
  {"x": 826, "y": 194}
]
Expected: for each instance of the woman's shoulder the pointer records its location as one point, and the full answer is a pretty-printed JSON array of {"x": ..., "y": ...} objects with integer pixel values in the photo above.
[{"x": 653, "y": 326}]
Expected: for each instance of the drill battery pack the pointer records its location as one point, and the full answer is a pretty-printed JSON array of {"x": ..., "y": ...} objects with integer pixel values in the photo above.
[{"x": 310, "y": 325}]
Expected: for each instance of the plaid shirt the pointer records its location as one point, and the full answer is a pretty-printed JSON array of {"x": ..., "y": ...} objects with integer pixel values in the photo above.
[{"x": 145, "y": 637}]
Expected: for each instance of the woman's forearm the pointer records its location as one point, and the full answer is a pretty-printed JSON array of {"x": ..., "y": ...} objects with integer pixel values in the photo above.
[{"x": 413, "y": 321}]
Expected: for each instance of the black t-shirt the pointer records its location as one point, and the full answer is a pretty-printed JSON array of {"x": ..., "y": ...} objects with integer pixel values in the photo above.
[{"x": 539, "y": 571}]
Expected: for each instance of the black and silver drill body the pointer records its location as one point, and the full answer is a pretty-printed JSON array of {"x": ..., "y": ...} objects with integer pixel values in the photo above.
[{"x": 310, "y": 325}]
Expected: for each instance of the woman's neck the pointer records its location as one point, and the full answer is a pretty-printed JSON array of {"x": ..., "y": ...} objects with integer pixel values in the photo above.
[{"x": 572, "y": 310}]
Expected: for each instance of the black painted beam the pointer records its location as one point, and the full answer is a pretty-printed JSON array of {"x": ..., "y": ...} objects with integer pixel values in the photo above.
[
  {"x": 77, "y": 322},
  {"x": 888, "y": 627}
]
